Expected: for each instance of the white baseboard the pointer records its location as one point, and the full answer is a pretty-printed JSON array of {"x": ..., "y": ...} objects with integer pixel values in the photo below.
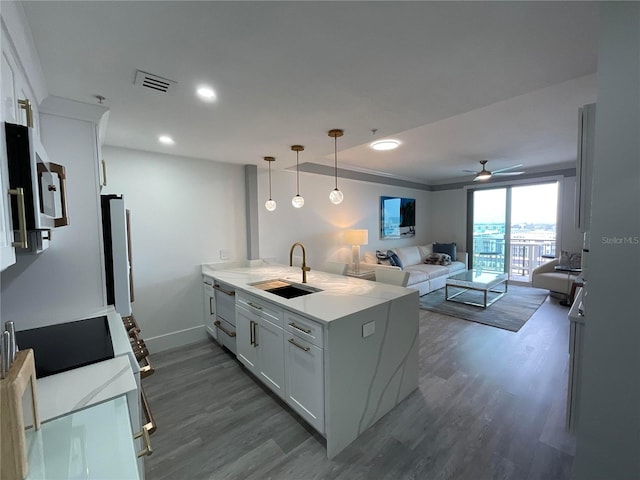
[{"x": 176, "y": 339}]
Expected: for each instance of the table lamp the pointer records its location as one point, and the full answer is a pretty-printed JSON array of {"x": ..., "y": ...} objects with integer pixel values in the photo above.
[{"x": 356, "y": 237}]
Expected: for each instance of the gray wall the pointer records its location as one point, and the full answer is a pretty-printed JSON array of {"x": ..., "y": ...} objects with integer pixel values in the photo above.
[
  {"x": 184, "y": 211},
  {"x": 608, "y": 428}
]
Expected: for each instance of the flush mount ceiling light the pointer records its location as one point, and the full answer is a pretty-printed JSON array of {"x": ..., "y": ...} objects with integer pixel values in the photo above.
[
  {"x": 270, "y": 204},
  {"x": 297, "y": 201},
  {"x": 166, "y": 140},
  {"x": 206, "y": 93},
  {"x": 388, "y": 144},
  {"x": 336, "y": 195}
]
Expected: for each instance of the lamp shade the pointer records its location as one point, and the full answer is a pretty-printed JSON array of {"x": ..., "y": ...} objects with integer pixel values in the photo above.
[{"x": 356, "y": 237}]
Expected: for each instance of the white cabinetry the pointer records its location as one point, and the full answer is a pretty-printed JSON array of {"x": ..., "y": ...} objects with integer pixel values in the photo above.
[
  {"x": 19, "y": 105},
  {"x": 209, "y": 306},
  {"x": 7, "y": 251},
  {"x": 304, "y": 369},
  {"x": 584, "y": 166},
  {"x": 260, "y": 340}
]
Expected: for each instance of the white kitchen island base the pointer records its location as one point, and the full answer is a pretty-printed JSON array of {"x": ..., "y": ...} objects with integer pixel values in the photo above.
[
  {"x": 367, "y": 377},
  {"x": 341, "y": 357}
]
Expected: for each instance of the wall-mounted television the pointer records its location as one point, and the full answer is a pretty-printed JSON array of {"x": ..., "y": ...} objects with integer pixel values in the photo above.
[{"x": 397, "y": 217}]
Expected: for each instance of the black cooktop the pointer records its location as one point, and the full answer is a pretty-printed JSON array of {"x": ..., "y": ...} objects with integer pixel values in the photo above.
[{"x": 65, "y": 346}]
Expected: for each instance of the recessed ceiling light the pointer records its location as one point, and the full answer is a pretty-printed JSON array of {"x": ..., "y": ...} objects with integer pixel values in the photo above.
[
  {"x": 388, "y": 144},
  {"x": 166, "y": 139},
  {"x": 206, "y": 93}
]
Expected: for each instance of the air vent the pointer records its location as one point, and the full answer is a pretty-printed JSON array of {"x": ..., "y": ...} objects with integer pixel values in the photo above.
[{"x": 154, "y": 82}]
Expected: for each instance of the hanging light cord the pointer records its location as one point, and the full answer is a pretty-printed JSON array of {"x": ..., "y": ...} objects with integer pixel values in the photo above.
[
  {"x": 269, "y": 181},
  {"x": 297, "y": 175},
  {"x": 335, "y": 157}
]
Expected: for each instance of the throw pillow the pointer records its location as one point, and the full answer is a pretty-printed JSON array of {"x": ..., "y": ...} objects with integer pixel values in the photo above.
[
  {"x": 438, "y": 259},
  {"x": 394, "y": 259},
  {"x": 383, "y": 258},
  {"x": 448, "y": 248}
]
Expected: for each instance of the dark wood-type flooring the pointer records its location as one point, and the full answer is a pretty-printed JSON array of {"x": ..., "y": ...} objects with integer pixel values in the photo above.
[{"x": 490, "y": 405}]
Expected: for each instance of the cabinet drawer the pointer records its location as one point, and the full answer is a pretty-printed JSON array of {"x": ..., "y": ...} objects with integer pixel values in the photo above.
[
  {"x": 260, "y": 307},
  {"x": 225, "y": 302},
  {"x": 311, "y": 331},
  {"x": 226, "y": 334}
]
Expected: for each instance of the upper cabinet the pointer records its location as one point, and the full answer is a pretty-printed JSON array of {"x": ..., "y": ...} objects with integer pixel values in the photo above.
[
  {"x": 19, "y": 105},
  {"x": 584, "y": 166}
]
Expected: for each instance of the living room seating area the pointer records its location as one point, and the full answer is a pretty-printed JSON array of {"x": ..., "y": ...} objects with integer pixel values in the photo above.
[{"x": 424, "y": 277}]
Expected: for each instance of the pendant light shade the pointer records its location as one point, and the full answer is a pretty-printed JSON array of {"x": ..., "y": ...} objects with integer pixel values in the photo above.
[
  {"x": 297, "y": 201},
  {"x": 336, "y": 195},
  {"x": 270, "y": 204}
]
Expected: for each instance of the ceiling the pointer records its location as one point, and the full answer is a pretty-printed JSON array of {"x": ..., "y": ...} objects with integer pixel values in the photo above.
[{"x": 455, "y": 82}]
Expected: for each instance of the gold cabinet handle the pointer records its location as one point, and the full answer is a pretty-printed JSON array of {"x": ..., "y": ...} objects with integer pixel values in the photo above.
[
  {"x": 61, "y": 172},
  {"x": 302, "y": 329},
  {"x": 26, "y": 106},
  {"x": 219, "y": 325},
  {"x": 294, "y": 343},
  {"x": 22, "y": 219},
  {"x": 104, "y": 173},
  {"x": 147, "y": 450},
  {"x": 231, "y": 293},
  {"x": 150, "y": 426},
  {"x": 257, "y": 307}
]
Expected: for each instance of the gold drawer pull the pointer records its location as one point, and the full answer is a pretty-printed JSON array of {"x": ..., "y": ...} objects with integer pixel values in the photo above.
[
  {"x": 104, "y": 173},
  {"x": 293, "y": 342},
  {"x": 257, "y": 307},
  {"x": 231, "y": 293},
  {"x": 26, "y": 106},
  {"x": 219, "y": 325},
  {"x": 302, "y": 329},
  {"x": 147, "y": 450},
  {"x": 22, "y": 219}
]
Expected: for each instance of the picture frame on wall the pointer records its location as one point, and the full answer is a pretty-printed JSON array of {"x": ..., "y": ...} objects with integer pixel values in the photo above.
[{"x": 397, "y": 217}]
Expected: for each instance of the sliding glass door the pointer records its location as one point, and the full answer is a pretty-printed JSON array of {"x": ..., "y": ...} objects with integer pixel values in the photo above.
[
  {"x": 513, "y": 229},
  {"x": 489, "y": 229}
]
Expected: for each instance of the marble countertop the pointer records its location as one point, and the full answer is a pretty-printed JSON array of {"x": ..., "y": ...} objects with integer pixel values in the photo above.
[
  {"x": 78, "y": 388},
  {"x": 340, "y": 296}
]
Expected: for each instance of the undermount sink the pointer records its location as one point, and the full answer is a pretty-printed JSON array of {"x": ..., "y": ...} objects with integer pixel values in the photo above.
[{"x": 285, "y": 289}]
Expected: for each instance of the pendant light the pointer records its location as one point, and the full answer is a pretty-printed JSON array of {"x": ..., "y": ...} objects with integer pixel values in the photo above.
[
  {"x": 336, "y": 195},
  {"x": 297, "y": 201},
  {"x": 270, "y": 204}
]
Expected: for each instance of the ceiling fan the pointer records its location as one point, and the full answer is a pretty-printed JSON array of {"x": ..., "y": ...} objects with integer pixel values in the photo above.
[{"x": 485, "y": 174}]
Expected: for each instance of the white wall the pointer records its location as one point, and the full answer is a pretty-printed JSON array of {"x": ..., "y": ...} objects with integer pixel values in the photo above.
[
  {"x": 183, "y": 212},
  {"x": 449, "y": 216},
  {"x": 608, "y": 426},
  {"x": 66, "y": 281},
  {"x": 319, "y": 225}
]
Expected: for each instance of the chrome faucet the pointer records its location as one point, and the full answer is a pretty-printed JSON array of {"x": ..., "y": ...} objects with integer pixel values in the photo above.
[{"x": 305, "y": 269}]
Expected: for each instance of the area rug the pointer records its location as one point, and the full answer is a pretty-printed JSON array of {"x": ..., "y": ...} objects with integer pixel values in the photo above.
[{"x": 510, "y": 312}]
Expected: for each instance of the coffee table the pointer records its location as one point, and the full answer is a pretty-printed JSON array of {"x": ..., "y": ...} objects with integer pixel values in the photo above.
[{"x": 480, "y": 280}]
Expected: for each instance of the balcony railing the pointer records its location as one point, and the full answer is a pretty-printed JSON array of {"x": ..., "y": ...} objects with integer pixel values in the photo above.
[{"x": 525, "y": 255}]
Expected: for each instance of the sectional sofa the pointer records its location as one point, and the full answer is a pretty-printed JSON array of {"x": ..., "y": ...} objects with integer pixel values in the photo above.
[{"x": 422, "y": 276}]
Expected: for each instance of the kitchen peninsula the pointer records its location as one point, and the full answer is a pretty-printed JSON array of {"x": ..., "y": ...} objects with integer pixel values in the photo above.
[{"x": 341, "y": 356}]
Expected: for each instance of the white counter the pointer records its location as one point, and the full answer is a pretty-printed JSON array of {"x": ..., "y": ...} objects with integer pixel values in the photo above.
[
  {"x": 93, "y": 443},
  {"x": 75, "y": 389},
  {"x": 340, "y": 296}
]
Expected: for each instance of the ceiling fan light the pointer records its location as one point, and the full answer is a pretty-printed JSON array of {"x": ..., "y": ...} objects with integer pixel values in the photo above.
[
  {"x": 388, "y": 144},
  {"x": 483, "y": 175}
]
